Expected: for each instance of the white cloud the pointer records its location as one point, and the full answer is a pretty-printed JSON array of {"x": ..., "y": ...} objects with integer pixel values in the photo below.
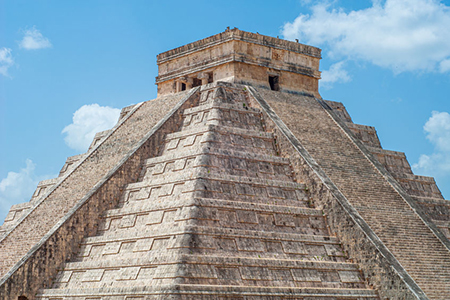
[
  {"x": 402, "y": 35},
  {"x": 444, "y": 66},
  {"x": 18, "y": 187},
  {"x": 6, "y": 61},
  {"x": 33, "y": 39},
  {"x": 437, "y": 129},
  {"x": 87, "y": 121},
  {"x": 336, "y": 73}
]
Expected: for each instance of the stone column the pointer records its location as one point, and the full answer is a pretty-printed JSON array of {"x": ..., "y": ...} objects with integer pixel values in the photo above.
[
  {"x": 189, "y": 82},
  {"x": 178, "y": 86},
  {"x": 204, "y": 77}
]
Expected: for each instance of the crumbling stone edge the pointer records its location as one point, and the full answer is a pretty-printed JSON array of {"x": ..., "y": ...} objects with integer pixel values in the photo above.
[
  {"x": 40, "y": 265},
  {"x": 390, "y": 179},
  {"x": 379, "y": 266}
]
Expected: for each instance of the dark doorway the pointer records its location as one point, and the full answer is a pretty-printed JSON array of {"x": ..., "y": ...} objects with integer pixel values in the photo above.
[
  {"x": 210, "y": 78},
  {"x": 273, "y": 82},
  {"x": 183, "y": 86},
  {"x": 22, "y": 298},
  {"x": 197, "y": 82}
]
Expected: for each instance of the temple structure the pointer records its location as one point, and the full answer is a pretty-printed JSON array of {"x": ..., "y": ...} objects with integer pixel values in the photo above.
[{"x": 237, "y": 182}]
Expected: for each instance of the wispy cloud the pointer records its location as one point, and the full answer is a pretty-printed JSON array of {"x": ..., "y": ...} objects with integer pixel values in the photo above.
[
  {"x": 18, "y": 187},
  {"x": 437, "y": 130},
  {"x": 336, "y": 73},
  {"x": 401, "y": 35},
  {"x": 87, "y": 121},
  {"x": 6, "y": 61},
  {"x": 33, "y": 39}
]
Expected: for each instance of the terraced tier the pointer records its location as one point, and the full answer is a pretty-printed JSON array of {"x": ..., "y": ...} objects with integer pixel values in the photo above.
[
  {"x": 355, "y": 174},
  {"x": 217, "y": 215}
]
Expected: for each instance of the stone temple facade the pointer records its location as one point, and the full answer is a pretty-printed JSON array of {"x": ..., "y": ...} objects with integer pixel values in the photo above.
[{"x": 238, "y": 182}]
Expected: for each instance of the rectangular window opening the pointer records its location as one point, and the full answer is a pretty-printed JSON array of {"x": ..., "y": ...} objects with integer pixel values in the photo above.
[
  {"x": 273, "y": 82},
  {"x": 183, "y": 86}
]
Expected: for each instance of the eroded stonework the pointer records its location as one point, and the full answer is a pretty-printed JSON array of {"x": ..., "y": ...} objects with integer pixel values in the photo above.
[{"x": 237, "y": 182}]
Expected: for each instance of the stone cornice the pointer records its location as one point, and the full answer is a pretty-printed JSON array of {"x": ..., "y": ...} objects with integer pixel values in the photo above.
[{"x": 239, "y": 35}]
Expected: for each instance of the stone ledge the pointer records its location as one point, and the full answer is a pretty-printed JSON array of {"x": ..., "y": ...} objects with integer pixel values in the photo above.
[
  {"x": 236, "y": 34},
  {"x": 221, "y": 129},
  {"x": 214, "y": 231},
  {"x": 216, "y": 152},
  {"x": 183, "y": 259},
  {"x": 222, "y": 106},
  {"x": 214, "y": 291}
]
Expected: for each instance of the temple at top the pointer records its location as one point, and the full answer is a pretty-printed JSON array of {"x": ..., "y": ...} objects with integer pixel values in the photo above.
[{"x": 240, "y": 57}]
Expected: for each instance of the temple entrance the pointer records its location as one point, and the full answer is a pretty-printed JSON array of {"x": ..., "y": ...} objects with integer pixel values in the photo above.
[{"x": 273, "y": 82}]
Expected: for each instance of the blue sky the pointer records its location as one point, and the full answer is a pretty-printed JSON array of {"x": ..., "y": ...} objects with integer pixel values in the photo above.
[{"x": 66, "y": 67}]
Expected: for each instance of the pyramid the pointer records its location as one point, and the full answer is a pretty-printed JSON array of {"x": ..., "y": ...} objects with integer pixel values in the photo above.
[{"x": 237, "y": 182}]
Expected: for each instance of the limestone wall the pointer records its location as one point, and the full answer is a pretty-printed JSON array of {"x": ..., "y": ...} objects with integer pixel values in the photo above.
[
  {"x": 422, "y": 189},
  {"x": 364, "y": 234},
  {"x": 49, "y": 235},
  {"x": 241, "y": 57}
]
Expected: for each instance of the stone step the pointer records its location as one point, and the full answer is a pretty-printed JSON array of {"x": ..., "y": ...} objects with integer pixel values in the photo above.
[
  {"x": 71, "y": 161},
  {"x": 217, "y": 136},
  {"x": 237, "y": 106},
  {"x": 217, "y": 231},
  {"x": 233, "y": 115},
  {"x": 210, "y": 270},
  {"x": 204, "y": 183},
  {"x": 230, "y": 152},
  {"x": 201, "y": 239},
  {"x": 422, "y": 186},
  {"x": 355, "y": 175},
  {"x": 186, "y": 202},
  {"x": 209, "y": 260},
  {"x": 204, "y": 173},
  {"x": 227, "y": 214},
  {"x": 206, "y": 292},
  {"x": 260, "y": 134},
  {"x": 225, "y": 161}
]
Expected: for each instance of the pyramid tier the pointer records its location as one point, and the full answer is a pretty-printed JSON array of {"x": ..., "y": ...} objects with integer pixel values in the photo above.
[
  {"x": 217, "y": 208},
  {"x": 209, "y": 292}
]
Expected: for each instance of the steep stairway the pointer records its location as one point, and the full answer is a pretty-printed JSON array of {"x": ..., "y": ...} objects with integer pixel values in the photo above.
[
  {"x": 217, "y": 215},
  {"x": 392, "y": 219}
]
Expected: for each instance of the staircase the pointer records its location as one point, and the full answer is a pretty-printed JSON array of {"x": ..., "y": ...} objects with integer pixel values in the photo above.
[
  {"x": 217, "y": 215},
  {"x": 399, "y": 227}
]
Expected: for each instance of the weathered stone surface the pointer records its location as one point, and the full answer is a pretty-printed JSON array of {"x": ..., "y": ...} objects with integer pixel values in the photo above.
[
  {"x": 50, "y": 232},
  {"x": 422, "y": 189},
  {"x": 231, "y": 192},
  {"x": 210, "y": 212},
  {"x": 387, "y": 214},
  {"x": 240, "y": 57}
]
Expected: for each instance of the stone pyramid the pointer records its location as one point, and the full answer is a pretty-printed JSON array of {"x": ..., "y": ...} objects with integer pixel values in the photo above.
[{"x": 237, "y": 182}]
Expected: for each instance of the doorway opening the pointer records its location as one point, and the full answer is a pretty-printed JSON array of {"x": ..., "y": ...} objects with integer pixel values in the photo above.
[
  {"x": 196, "y": 82},
  {"x": 273, "y": 82}
]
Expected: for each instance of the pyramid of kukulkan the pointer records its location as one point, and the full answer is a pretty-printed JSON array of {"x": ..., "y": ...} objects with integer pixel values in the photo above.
[{"x": 238, "y": 182}]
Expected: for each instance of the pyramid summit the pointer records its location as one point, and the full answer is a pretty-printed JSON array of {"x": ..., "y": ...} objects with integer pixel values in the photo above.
[{"x": 237, "y": 182}]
